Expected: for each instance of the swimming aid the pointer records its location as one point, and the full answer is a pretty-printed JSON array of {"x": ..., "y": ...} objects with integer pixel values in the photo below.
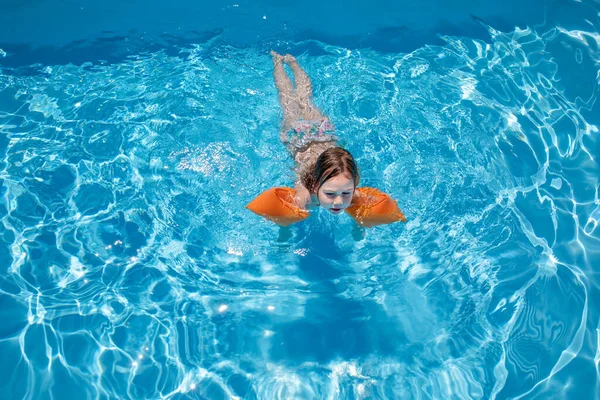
[
  {"x": 373, "y": 207},
  {"x": 277, "y": 205},
  {"x": 370, "y": 208}
]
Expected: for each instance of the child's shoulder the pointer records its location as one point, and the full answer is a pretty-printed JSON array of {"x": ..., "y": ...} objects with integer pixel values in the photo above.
[{"x": 303, "y": 198}]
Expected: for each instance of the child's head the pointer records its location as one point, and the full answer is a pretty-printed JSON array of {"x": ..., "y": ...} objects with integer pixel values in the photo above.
[{"x": 333, "y": 179}]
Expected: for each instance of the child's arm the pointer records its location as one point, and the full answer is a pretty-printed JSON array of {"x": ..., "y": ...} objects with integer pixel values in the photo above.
[{"x": 302, "y": 198}]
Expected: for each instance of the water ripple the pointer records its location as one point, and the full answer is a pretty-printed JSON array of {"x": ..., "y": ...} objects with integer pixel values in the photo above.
[{"x": 132, "y": 270}]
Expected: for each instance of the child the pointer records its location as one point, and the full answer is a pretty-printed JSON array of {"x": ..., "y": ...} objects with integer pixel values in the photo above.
[{"x": 326, "y": 175}]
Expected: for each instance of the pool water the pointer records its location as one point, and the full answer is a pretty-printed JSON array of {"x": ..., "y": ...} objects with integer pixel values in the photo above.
[{"x": 130, "y": 267}]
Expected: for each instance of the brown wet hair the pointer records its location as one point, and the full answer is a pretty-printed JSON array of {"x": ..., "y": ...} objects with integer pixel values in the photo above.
[{"x": 331, "y": 162}]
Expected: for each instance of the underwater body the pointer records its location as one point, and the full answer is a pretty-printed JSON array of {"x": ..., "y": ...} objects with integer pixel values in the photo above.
[{"x": 130, "y": 267}]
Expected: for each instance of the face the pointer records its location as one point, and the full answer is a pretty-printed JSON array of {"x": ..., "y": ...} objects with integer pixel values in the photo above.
[{"x": 336, "y": 193}]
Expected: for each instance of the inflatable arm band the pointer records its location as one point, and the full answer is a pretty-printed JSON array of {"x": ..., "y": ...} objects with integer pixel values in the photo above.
[
  {"x": 277, "y": 205},
  {"x": 370, "y": 207}
]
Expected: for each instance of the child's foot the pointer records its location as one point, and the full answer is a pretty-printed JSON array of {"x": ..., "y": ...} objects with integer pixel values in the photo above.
[
  {"x": 277, "y": 58},
  {"x": 289, "y": 59}
]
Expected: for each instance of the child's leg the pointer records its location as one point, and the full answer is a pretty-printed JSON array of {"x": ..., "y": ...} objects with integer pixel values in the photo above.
[
  {"x": 303, "y": 90},
  {"x": 287, "y": 97}
]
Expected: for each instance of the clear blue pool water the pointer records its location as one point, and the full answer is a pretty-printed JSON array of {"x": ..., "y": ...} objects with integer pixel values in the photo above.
[{"x": 131, "y": 269}]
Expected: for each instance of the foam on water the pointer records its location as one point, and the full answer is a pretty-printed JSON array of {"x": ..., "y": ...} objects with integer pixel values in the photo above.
[{"x": 131, "y": 268}]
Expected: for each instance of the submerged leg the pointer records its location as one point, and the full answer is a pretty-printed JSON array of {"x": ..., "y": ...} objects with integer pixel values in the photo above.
[
  {"x": 287, "y": 96},
  {"x": 303, "y": 89}
]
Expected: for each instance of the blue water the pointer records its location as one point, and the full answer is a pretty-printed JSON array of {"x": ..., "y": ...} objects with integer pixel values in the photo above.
[{"x": 131, "y": 269}]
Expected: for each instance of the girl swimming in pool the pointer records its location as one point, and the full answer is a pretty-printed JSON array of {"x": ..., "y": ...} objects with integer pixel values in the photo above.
[{"x": 326, "y": 174}]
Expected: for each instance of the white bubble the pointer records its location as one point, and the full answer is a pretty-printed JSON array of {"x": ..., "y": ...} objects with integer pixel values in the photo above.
[
  {"x": 360, "y": 389},
  {"x": 223, "y": 308},
  {"x": 235, "y": 252}
]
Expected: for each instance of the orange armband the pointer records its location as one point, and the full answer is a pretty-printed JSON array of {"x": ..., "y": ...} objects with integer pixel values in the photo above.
[
  {"x": 277, "y": 205},
  {"x": 373, "y": 207}
]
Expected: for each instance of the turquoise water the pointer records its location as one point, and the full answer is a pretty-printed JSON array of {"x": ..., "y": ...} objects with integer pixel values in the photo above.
[{"x": 131, "y": 269}]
